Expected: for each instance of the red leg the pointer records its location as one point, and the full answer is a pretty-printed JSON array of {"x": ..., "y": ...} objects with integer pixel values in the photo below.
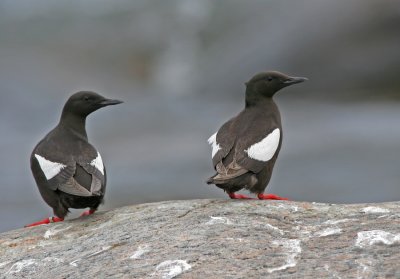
[
  {"x": 238, "y": 196},
  {"x": 262, "y": 196},
  {"x": 45, "y": 221},
  {"x": 88, "y": 212}
]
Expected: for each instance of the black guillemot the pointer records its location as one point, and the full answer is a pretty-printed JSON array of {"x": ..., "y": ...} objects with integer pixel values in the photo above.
[
  {"x": 68, "y": 170},
  {"x": 245, "y": 148}
]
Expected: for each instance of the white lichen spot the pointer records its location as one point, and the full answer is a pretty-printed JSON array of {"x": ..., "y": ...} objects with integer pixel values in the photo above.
[
  {"x": 141, "y": 250},
  {"x": 171, "y": 269},
  {"x": 287, "y": 206},
  {"x": 328, "y": 231},
  {"x": 334, "y": 222},
  {"x": 4, "y": 263},
  {"x": 53, "y": 260},
  {"x": 375, "y": 209},
  {"x": 103, "y": 225},
  {"x": 219, "y": 220},
  {"x": 291, "y": 247},
  {"x": 54, "y": 231},
  {"x": 28, "y": 266},
  {"x": 368, "y": 238},
  {"x": 275, "y": 229},
  {"x": 75, "y": 262},
  {"x": 326, "y": 267},
  {"x": 332, "y": 273},
  {"x": 235, "y": 239},
  {"x": 20, "y": 265},
  {"x": 304, "y": 232},
  {"x": 214, "y": 145},
  {"x": 364, "y": 269}
]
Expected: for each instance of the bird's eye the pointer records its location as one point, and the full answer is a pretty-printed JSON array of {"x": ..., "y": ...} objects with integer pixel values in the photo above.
[
  {"x": 86, "y": 98},
  {"x": 269, "y": 78}
]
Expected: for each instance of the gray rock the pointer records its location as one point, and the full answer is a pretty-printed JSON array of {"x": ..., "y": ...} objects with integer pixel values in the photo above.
[{"x": 212, "y": 239}]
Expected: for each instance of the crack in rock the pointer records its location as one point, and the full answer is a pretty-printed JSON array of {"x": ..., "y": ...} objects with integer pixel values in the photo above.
[
  {"x": 103, "y": 249},
  {"x": 196, "y": 208},
  {"x": 141, "y": 250},
  {"x": 21, "y": 265}
]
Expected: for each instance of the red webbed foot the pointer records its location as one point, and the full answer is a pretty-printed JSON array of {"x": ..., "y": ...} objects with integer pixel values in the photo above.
[
  {"x": 88, "y": 212},
  {"x": 270, "y": 197},
  {"x": 239, "y": 196},
  {"x": 45, "y": 221}
]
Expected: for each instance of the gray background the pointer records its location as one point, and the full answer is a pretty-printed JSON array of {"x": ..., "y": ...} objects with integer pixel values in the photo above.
[{"x": 180, "y": 67}]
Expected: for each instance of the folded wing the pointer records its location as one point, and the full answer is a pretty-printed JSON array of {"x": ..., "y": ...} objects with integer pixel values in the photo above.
[{"x": 81, "y": 176}]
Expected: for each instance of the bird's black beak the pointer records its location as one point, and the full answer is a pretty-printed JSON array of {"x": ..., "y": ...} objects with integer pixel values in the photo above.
[
  {"x": 294, "y": 80},
  {"x": 109, "y": 102}
]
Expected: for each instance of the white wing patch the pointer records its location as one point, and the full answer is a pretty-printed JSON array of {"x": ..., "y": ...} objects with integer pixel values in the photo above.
[
  {"x": 98, "y": 163},
  {"x": 215, "y": 146},
  {"x": 266, "y": 148},
  {"x": 49, "y": 168}
]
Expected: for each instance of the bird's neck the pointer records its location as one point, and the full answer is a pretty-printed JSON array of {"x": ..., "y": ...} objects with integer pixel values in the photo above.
[
  {"x": 258, "y": 101},
  {"x": 75, "y": 123},
  {"x": 258, "y": 96}
]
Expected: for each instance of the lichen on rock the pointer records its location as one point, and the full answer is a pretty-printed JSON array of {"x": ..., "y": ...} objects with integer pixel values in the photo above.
[{"x": 212, "y": 239}]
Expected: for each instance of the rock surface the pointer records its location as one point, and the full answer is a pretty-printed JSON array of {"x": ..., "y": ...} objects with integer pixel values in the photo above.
[{"x": 212, "y": 239}]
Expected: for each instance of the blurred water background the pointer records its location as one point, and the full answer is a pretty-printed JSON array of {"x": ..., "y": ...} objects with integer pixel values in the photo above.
[{"x": 180, "y": 67}]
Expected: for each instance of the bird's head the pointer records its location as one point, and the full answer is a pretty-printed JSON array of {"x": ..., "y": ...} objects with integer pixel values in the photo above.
[
  {"x": 85, "y": 102},
  {"x": 266, "y": 84}
]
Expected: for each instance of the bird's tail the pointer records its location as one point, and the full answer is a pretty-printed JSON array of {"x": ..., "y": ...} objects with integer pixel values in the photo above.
[
  {"x": 210, "y": 180},
  {"x": 217, "y": 179}
]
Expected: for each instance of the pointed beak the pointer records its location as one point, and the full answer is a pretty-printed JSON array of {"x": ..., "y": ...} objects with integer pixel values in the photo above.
[
  {"x": 109, "y": 102},
  {"x": 294, "y": 80}
]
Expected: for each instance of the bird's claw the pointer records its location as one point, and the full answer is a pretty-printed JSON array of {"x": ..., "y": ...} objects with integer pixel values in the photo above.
[
  {"x": 271, "y": 197},
  {"x": 88, "y": 212},
  {"x": 239, "y": 196},
  {"x": 45, "y": 221}
]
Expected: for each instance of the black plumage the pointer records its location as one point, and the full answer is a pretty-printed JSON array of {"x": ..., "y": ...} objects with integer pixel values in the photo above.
[
  {"x": 68, "y": 170},
  {"x": 246, "y": 147}
]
